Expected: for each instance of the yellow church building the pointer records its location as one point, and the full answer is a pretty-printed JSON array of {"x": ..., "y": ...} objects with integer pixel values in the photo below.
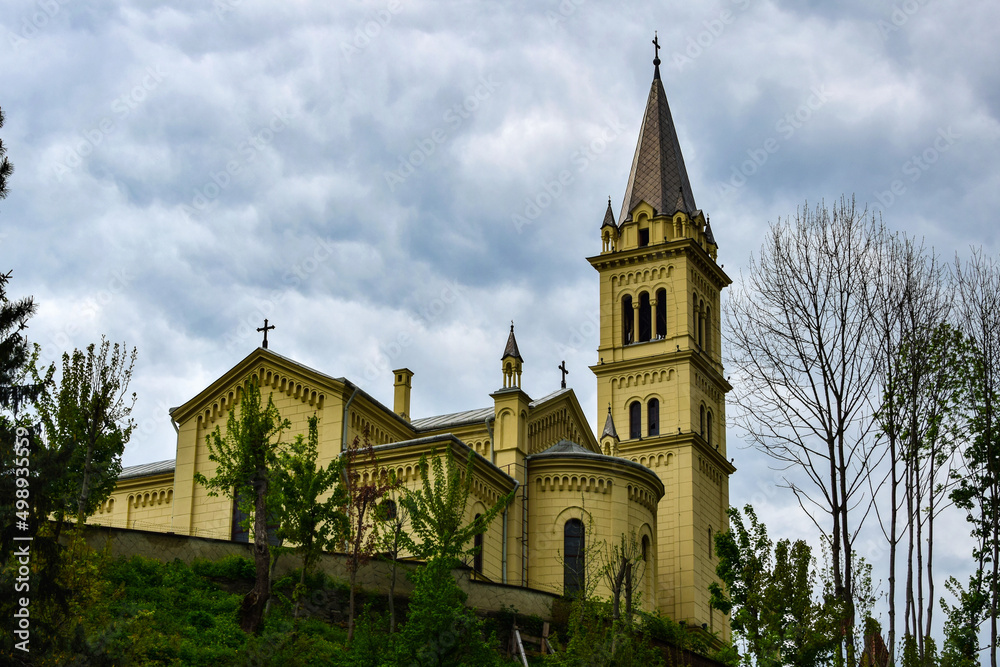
[{"x": 657, "y": 470}]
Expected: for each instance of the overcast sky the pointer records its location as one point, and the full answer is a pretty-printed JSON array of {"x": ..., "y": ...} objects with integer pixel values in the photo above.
[{"x": 392, "y": 182}]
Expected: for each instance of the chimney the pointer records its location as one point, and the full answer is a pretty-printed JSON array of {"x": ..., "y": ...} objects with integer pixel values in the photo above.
[{"x": 401, "y": 396}]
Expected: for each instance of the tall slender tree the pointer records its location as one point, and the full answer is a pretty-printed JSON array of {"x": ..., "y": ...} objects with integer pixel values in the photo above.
[
  {"x": 978, "y": 481},
  {"x": 246, "y": 458},
  {"x": 87, "y": 416},
  {"x": 801, "y": 344}
]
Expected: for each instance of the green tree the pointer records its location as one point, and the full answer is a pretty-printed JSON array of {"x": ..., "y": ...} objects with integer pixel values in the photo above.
[
  {"x": 86, "y": 422},
  {"x": 769, "y": 594},
  {"x": 246, "y": 458},
  {"x": 367, "y": 484},
  {"x": 393, "y": 540},
  {"x": 307, "y": 519},
  {"x": 977, "y": 489},
  {"x": 440, "y": 630},
  {"x": 438, "y": 509}
]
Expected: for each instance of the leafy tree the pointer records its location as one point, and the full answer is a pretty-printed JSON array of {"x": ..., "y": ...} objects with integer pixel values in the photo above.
[
  {"x": 961, "y": 637},
  {"x": 393, "y": 540},
  {"x": 623, "y": 568},
  {"x": 313, "y": 524},
  {"x": 438, "y": 509},
  {"x": 367, "y": 484},
  {"x": 439, "y": 628},
  {"x": 86, "y": 422},
  {"x": 246, "y": 458},
  {"x": 977, "y": 490},
  {"x": 769, "y": 594}
]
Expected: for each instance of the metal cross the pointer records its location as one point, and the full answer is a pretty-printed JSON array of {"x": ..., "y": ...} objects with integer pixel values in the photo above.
[
  {"x": 265, "y": 329},
  {"x": 656, "y": 44},
  {"x": 565, "y": 372}
]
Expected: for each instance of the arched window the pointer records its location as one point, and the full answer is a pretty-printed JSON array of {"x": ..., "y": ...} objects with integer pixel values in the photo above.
[
  {"x": 653, "y": 416},
  {"x": 477, "y": 557},
  {"x": 661, "y": 313},
  {"x": 708, "y": 427},
  {"x": 644, "y": 237},
  {"x": 700, "y": 324},
  {"x": 645, "y": 549},
  {"x": 627, "y": 317},
  {"x": 645, "y": 319},
  {"x": 711, "y": 546},
  {"x": 708, "y": 329},
  {"x": 701, "y": 421},
  {"x": 635, "y": 420},
  {"x": 573, "y": 558},
  {"x": 388, "y": 509}
]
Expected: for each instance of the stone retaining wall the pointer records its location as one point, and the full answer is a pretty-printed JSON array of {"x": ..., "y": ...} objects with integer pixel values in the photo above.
[{"x": 374, "y": 576}]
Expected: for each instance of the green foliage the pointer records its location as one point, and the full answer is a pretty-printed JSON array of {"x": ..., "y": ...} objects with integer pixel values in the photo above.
[
  {"x": 231, "y": 567},
  {"x": 595, "y": 638},
  {"x": 437, "y": 510},
  {"x": 86, "y": 423},
  {"x": 312, "y": 524},
  {"x": 247, "y": 455},
  {"x": 961, "y": 626},
  {"x": 440, "y": 629},
  {"x": 769, "y": 595}
]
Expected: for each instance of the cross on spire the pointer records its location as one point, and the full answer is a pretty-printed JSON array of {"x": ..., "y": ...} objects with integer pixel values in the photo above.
[
  {"x": 656, "y": 56},
  {"x": 562, "y": 367},
  {"x": 265, "y": 329}
]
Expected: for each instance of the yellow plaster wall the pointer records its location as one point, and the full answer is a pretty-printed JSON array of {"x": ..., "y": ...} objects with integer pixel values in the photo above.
[{"x": 144, "y": 503}]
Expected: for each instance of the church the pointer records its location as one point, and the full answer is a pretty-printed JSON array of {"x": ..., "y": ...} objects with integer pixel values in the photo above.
[{"x": 655, "y": 467}]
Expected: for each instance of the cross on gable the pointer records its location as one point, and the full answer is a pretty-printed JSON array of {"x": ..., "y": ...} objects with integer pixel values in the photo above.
[
  {"x": 562, "y": 367},
  {"x": 265, "y": 329}
]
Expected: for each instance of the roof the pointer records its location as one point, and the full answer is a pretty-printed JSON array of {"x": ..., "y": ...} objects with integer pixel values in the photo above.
[
  {"x": 658, "y": 175},
  {"x": 511, "y": 349},
  {"x": 147, "y": 469},
  {"x": 447, "y": 437},
  {"x": 567, "y": 449},
  {"x": 609, "y": 426},
  {"x": 609, "y": 216},
  {"x": 476, "y": 416},
  {"x": 709, "y": 236}
]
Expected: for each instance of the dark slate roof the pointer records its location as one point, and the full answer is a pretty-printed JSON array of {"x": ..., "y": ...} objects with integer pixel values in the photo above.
[
  {"x": 570, "y": 450},
  {"x": 609, "y": 426},
  {"x": 511, "y": 349},
  {"x": 609, "y": 216},
  {"x": 147, "y": 469},
  {"x": 708, "y": 233},
  {"x": 658, "y": 175}
]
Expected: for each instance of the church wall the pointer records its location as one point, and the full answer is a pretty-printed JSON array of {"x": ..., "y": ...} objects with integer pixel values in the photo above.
[
  {"x": 144, "y": 503},
  {"x": 610, "y": 501}
]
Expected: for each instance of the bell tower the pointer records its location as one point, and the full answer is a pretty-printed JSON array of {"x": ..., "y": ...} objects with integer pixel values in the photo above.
[{"x": 659, "y": 362}]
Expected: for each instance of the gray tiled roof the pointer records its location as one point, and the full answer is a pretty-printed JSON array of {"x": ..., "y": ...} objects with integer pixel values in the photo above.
[
  {"x": 658, "y": 175},
  {"x": 476, "y": 416},
  {"x": 147, "y": 469}
]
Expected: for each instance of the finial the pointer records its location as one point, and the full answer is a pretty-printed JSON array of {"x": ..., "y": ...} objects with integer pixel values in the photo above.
[
  {"x": 656, "y": 56},
  {"x": 512, "y": 326}
]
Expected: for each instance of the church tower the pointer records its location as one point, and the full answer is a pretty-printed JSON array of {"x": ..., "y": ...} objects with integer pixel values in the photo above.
[{"x": 659, "y": 362}]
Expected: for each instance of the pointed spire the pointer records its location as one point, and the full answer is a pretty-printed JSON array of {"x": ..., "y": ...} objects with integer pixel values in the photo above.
[
  {"x": 609, "y": 426},
  {"x": 709, "y": 236},
  {"x": 658, "y": 172},
  {"x": 511, "y": 349},
  {"x": 609, "y": 216}
]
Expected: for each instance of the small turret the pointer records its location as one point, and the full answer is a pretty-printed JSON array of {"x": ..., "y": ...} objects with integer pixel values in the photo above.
[
  {"x": 609, "y": 437},
  {"x": 511, "y": 362},
  {"x": 609, "y": 231}
]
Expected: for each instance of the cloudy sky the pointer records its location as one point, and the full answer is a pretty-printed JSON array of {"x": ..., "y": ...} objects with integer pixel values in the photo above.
[{"x": 382, "y": 179}]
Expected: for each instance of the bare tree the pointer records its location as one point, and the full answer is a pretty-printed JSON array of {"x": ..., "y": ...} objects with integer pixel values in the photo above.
[
  {"x": 801, "y": 340},
  {"x": 916, "y": 359}
]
